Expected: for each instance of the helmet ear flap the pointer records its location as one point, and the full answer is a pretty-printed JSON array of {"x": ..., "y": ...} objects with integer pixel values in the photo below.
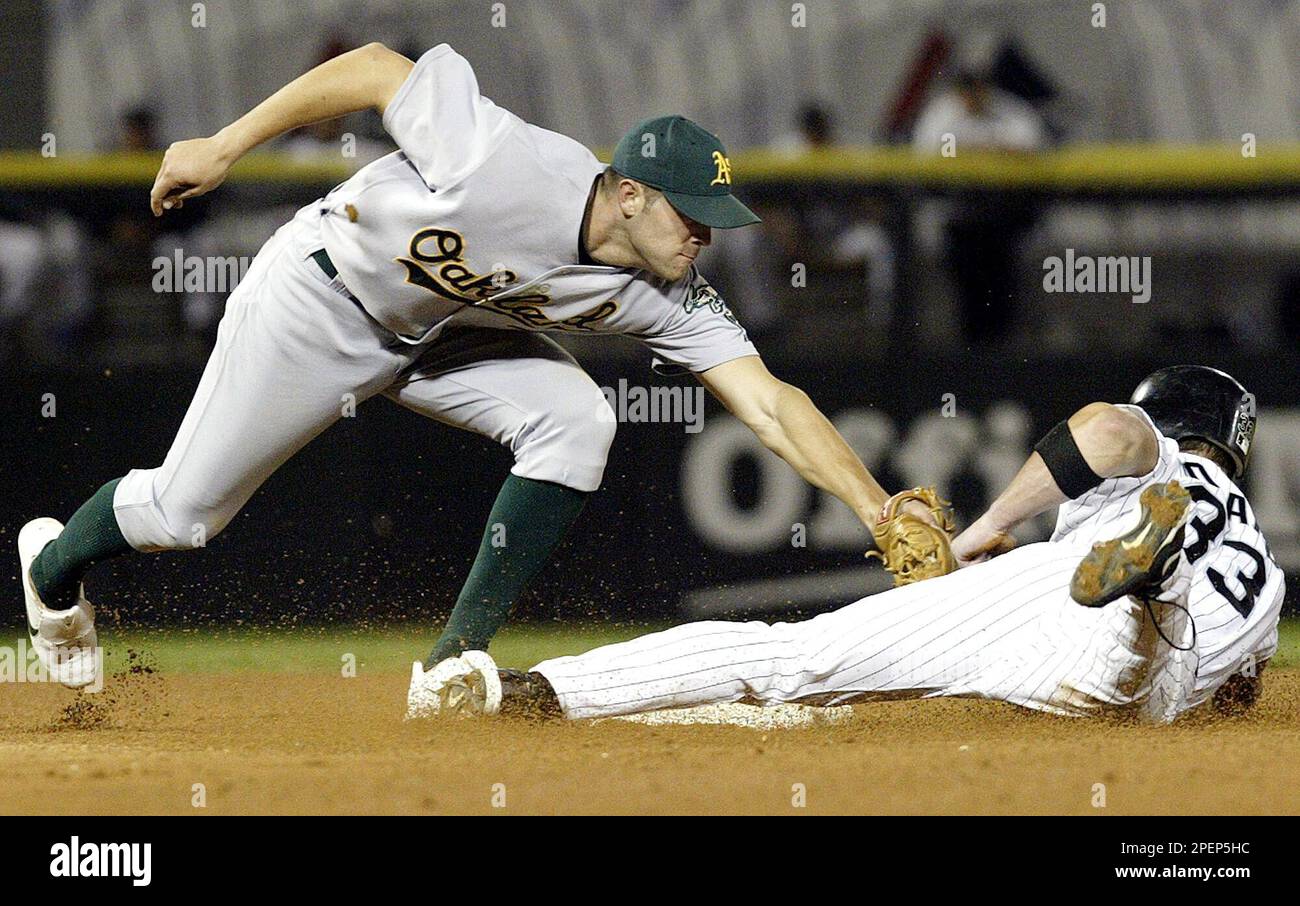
[{"x": 1243, "y": 437}]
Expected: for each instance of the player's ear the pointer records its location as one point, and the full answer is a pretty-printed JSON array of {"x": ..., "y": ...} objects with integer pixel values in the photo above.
[{"x": 631, "y": 197}]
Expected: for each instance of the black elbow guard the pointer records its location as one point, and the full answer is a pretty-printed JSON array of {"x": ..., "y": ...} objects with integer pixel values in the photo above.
[{"x": 1065, "y": 461}]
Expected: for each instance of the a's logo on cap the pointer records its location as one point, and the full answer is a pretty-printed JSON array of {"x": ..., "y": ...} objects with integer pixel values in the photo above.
[{"x": 724, "y": 170}]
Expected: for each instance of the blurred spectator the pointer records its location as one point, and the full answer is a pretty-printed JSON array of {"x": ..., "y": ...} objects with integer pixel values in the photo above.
[
  {"x": 139, "y": 130},
  {"x": 814, "y": 131},
  {"x": 831, "y": 237},
  {"x": 21, "y": 256},
  {"x": 42, "y": 273},
  {"x": 983, "y": 232},
  {"x": 979, "y": 116},
  {"x": 118, "y": 239},
  {"x": 1013, "y": 71},
  {"x": 123, "y": 218}
]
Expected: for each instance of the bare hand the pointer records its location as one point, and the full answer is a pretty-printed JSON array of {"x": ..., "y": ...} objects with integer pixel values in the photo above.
[
  {"x": 979, "y": 543},
  {"x": 189, "y": 169}
]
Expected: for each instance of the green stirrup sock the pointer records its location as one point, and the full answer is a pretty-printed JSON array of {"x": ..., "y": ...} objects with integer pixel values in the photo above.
[
  {"x": 527, "y": 521},
  {"x": 90, "y": 536}
]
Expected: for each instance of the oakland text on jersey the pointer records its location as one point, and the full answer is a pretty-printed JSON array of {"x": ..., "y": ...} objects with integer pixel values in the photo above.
[
  {"x": 454, "y": 281},
  {"x": 526, "y": 310}
]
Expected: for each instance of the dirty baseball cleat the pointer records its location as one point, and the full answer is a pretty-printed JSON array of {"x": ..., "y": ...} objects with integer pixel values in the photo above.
[
  {"x": 466, "y": 686},
  {"x": 65, "y": 641},
  {"x": 527, "y": 695},
  {"x": 1139, "y": 559}
]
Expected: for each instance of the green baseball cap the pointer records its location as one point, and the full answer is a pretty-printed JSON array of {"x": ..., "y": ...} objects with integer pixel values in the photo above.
[{"x": 688, "y": 164}]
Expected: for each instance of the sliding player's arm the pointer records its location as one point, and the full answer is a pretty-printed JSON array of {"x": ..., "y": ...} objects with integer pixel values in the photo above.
[
  {"x": 1113, "y": 443},
  {"x": 361, "y": 79}
]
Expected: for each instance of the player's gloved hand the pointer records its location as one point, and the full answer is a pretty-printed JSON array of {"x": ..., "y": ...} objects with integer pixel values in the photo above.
[
  {"x": 189, "y": 169},
  {"x": 981, "y": 542},
  {"x": 914, "y": 543}
]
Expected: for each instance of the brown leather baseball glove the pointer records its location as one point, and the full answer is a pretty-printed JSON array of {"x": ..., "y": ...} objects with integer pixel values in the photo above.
[{"x": 911, "y": 548}]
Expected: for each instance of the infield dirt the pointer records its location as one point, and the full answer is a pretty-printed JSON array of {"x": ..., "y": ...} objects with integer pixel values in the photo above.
[{"x": 302, "y": 743}]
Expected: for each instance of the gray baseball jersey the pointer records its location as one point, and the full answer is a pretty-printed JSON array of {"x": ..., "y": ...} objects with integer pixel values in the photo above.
[
  {"x": 453, "y": 255},
  {"x": 475, "y": 222}
]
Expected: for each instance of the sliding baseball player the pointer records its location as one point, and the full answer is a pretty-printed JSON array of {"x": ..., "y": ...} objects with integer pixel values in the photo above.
[
  {"x": 1155, "y": 593},
  {"x": 430, "y": 277}
]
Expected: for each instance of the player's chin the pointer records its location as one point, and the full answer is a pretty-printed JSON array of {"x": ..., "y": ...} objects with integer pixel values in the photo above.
[{"x": 675, "y": 269}]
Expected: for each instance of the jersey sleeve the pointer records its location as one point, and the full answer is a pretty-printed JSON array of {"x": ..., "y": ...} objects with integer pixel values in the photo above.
[
  {"x": 699, "y": 333},
  {"x": 1093, "y": 511},
  {"x": 441, "y": 122},
  {"x": 1166, "y": 447}
]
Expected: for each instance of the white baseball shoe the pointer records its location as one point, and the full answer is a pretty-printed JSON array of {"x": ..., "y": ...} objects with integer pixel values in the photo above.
[
  {"x": 64, "y": 640},
  {"x": 466, "y": 686}
]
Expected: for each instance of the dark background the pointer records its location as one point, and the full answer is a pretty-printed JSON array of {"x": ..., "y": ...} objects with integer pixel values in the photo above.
[{"x": 380, "y": 517}]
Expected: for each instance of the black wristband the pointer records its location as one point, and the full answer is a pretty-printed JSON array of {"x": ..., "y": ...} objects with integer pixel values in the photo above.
[{"x": 1069, "y": 469}]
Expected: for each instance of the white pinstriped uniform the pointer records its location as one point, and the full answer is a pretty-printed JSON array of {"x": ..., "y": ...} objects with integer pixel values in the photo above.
[{"x": 1006, "y": 629}]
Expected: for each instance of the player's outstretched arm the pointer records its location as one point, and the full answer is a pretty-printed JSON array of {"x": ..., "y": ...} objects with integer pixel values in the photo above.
[
  {"x": 1113, "y": 443},
  {"x": 365, "y": 78},
  {"x": 790, "y": 425}
]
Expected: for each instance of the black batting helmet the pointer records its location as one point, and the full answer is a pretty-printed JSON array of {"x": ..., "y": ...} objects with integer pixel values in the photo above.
[{"x": 1201, "y": 403}]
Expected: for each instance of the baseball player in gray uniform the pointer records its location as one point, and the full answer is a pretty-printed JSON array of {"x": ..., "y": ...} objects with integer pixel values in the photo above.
[
  {"x": 1181, "y": 595},
  {"x": 430, "y": 277}
]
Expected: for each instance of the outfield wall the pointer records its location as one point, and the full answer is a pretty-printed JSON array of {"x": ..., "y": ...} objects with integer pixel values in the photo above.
[{"x": 380, "y": 517}]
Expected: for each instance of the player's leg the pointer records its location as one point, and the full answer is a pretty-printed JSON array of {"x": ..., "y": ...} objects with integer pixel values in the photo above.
[
  {"x": 287, "y": 351},
  {"x": 1136, "y": 654},
  {"x": 932, "y": 638},
  {"x": 1006, "y": 630},
  {"x": 524, "y": 391}
]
